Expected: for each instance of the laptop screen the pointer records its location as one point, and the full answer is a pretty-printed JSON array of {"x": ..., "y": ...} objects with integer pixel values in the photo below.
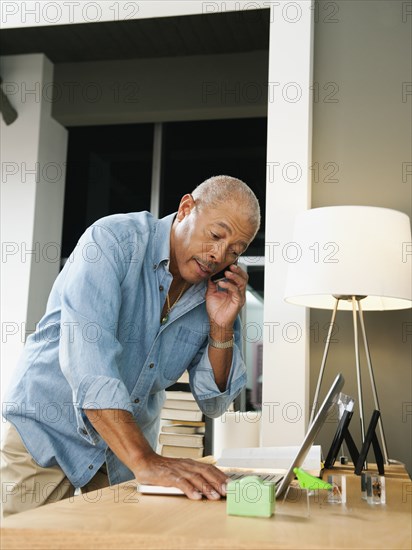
[{"x": 328, "y": 403}]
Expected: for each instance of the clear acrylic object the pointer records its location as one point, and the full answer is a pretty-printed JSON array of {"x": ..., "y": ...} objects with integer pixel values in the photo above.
[
  {"x": 375, "y": 489},
  {"x": 337, "y": 494}
]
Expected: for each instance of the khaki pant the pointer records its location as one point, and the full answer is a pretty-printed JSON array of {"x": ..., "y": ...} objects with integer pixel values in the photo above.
[{"x": 26, "y": 485}]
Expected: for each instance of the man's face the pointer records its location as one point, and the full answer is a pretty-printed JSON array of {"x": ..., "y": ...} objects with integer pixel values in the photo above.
[{"x": 206, "y": 240}]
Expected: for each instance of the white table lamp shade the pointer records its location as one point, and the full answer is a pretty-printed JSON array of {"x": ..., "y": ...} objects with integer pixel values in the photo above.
[{"x": 351, "y": 250}]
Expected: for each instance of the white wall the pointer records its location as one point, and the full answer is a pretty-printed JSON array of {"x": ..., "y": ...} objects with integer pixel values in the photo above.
[
  {"x": 285, "y": 349},
  {"x": 252, "y": 330},
  {"x": 362, "y": 134},
  {"x": 33, "y": 153}
]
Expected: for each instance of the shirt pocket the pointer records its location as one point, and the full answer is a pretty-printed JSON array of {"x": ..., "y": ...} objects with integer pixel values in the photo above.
[{"x": 177, "y": 357}]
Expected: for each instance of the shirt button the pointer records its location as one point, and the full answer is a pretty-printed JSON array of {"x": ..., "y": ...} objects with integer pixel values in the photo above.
[
  {"x": 137, "y": 400},
  {"x": 151, "y": 365},
  {"x": 91, "y": 467},
  {"x": 84, "y": 431},
  {"x": 155, "y": 266},
  {"x": 161, "y": 287}
]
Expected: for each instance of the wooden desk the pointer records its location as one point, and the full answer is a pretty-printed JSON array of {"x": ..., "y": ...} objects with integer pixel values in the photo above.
[{"x": 120, "y": 518}]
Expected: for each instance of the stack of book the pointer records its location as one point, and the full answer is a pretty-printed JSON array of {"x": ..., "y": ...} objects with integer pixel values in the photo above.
[{"x": 182, "y": 426}]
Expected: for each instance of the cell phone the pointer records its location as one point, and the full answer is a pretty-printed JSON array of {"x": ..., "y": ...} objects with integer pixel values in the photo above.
[{"x": 221, "y": 274}]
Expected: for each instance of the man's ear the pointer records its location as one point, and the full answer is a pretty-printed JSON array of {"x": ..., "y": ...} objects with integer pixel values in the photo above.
[{"x": 186, "y": 205}]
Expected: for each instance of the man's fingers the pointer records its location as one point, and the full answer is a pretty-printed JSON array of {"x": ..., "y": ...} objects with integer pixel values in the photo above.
[
  {"x": 189, "y": 490},
  {"x": 234, "y": 290},
  {"x": 239, "y": 271},
  {"x": 195, "y": 478},
  {"x": 212, "y": 491},
  {"x": 216, "y": 478},
  {"x": 214, "y": 486},
  {"x": 237, "y": 279}
]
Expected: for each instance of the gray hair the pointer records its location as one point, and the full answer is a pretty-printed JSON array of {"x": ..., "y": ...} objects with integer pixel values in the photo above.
[{"x": 224, "y": 189}]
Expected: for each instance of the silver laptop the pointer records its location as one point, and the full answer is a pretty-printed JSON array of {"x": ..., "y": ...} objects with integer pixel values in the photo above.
[{"x": 282, "y": 481}]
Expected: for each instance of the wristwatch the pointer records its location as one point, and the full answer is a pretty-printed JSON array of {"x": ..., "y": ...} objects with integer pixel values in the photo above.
[{"x": 221, "y": 345}]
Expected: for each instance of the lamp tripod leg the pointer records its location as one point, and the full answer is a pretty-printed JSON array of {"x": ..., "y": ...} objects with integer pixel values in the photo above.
[
  {"x": 322, "y": 366},
  {"x": 358, "y": 371},
  {"x": 373, "y": 384}
]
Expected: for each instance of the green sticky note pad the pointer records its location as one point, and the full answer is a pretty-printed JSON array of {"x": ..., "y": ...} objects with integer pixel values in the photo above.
[{"x": 250, "y": 496}]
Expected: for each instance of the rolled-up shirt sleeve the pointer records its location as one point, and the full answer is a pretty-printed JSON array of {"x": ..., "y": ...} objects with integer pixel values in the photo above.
[
  {"x": 210, "y": 399},
  {"x": 89, "y": 348}
]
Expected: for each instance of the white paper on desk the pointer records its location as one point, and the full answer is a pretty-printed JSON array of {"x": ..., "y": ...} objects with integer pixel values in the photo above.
[{"x": 277, "y": 458}]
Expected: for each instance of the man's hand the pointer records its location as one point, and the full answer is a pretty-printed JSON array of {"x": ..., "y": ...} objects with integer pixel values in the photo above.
[
  {"x": 223, "y": 307},
  {"x": 124, "y": 437},
  {"x": 193, "y": 478}
]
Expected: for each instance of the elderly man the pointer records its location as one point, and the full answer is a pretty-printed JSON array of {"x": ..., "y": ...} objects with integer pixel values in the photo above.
[{"x": 132, "y": 309}]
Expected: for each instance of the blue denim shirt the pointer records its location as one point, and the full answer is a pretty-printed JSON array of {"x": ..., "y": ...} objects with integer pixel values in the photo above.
[{"x": 101, "y": 345}]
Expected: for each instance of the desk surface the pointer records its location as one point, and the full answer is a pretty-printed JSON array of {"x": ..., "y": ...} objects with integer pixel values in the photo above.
[{"x": 120, "y": 518}]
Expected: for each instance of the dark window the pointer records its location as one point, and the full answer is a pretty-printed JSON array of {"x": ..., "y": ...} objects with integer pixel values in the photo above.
[
  {"x": 194, "y": 151},
  {"x": 109, "y": 170}
]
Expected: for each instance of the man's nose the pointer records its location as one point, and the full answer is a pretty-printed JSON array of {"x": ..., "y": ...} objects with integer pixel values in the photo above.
[{"x": 218, "y": 252}]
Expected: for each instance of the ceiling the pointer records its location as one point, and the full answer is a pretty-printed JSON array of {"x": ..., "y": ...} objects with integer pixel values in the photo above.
[{"x": 205, "y": 34}]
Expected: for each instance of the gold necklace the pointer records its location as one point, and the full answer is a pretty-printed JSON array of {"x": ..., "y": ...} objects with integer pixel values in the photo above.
[{"x": 170, "y": 307}]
